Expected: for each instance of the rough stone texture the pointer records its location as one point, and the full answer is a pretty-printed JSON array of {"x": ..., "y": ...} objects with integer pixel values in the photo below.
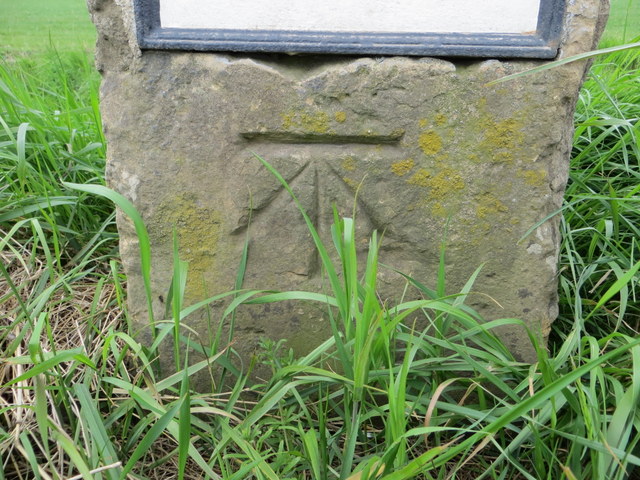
[{"x": 426, "y": 138}]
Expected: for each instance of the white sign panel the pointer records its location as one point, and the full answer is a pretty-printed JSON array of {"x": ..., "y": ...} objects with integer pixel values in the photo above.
[
  {"x": 500, "y": 28},
  {"x": 389, "y": 16}
]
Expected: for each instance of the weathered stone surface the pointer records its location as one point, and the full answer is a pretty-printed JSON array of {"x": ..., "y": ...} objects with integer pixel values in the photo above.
[{"x": 427, "y": 140}]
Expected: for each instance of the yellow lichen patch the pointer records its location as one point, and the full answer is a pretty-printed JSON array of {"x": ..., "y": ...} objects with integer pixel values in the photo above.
[
  {"x": 420, "y": 178},
  {"x": 350, "y": 182},
  {"x": 198, "y": 228},
  {"x": 535, "y": 178},
  {"x": 340, "y": 117},
  {"x": 314, "y": 122},
  {"x": 288, "y": 120},
  {"x": 438, "y": 210},
  {"x": 488, "y": 206},
  {"x": 504, "y": 134},
  {"x": 402, "y": 167},
  {"x": 423, "y": 122},
  {"x": 441, "y": 119},
  {"x": 430, "y": 142},
  {"x": 441, "y": 185},
  {"x": 503, "y": 157},
  {"x": 446, "y": 181},
  {"x": 349, "y": 164}
]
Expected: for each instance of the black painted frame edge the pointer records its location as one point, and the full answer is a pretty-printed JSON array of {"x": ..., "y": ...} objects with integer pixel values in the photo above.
[{"x": 543, "y": 44}]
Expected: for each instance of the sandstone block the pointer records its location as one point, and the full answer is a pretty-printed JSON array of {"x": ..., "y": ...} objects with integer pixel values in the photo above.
[{"x": 426, "y": 142}]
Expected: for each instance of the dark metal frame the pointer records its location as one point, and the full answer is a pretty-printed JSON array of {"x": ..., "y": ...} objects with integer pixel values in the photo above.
[{"x": 540, "y": 44}]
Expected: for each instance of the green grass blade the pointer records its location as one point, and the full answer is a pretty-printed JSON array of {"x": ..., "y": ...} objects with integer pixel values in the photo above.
[
  {"x": 184, "y": 424},
  {"x": 564, "y": 61},
  {"x": 97, "y": 429},
  {"x": 615, "y": 288},
  {"x": 141, "y": 231},
  {"x": 49, "y": 364},
  {"x": 146, "y": 443},
  {"x": 324, "y": 256},
  {"x": 74, "y": 454}
]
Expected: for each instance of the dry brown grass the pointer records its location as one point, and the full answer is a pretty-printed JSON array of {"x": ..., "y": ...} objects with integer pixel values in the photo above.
[{"x": 77, "y": 312}]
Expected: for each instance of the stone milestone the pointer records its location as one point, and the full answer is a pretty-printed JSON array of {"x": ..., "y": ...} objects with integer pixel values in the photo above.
[{"x": 428, "y": 144}]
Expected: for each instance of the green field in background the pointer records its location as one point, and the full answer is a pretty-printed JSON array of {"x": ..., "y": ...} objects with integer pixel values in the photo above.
[
  {"x": 34, "y": 25},
  {"x": 624, "y": 23}
]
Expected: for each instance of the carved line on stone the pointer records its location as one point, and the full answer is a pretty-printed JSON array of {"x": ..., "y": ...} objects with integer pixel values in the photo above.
[
  {"x": 319, "y": 171},
  {"x": 383, "y": 226},
  {"x": 243, "y": 222},
  {"x": 324, "y": 138}
]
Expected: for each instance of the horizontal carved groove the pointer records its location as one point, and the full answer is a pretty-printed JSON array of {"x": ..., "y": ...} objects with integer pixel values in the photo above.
[{"x": 325, "y": 138}]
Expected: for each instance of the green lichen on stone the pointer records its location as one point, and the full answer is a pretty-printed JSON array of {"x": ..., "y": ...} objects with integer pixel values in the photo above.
[
  {"x": 349, "y": 164},
  {"x": 430, "y": 142},
  {"x": 489, "y": 206},
  {"x": 340, "y": 117},
  {"x": 441, "y": 119},
  {"x": 402, "y": 167},
  {"x": 423, "y": 122},
  {"x": 420, "y": 178},
  {"x": 535, "y": 178}
]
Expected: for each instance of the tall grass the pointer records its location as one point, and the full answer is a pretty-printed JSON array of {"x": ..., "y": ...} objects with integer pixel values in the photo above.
[
  {"x": 80, "y": 397},
  {"x": 601, "y": 216},
  {"x": 50, "y": 131}
]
